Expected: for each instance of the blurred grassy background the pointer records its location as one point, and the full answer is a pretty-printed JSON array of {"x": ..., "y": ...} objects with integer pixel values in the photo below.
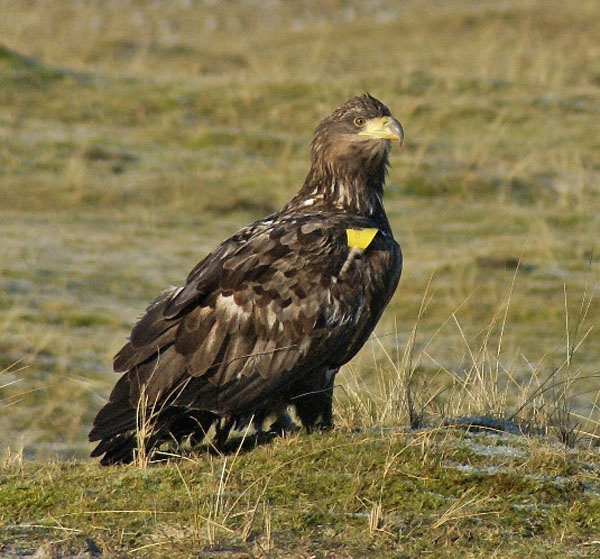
[{"x": 135, "y": 136}]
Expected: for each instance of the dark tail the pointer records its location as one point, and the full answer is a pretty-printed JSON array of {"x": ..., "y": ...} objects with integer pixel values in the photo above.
[{"x": 120, "y": 430}]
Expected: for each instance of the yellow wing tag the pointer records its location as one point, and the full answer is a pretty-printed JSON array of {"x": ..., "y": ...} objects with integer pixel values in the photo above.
[{"x": 360, "y": 238}]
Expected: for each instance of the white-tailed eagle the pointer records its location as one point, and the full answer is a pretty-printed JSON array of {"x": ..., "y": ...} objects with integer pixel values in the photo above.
[{"x": 265, "y": 321}]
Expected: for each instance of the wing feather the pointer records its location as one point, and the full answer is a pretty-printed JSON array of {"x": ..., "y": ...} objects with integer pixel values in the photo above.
[
  {"x": 157, "y": 378},
  {"x": 198, "y": 362},
  {"x": 129, "y": 356},
  {"x": 154, "y": 322}
]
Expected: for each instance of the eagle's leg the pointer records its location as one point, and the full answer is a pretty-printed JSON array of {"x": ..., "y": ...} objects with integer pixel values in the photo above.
[
  {"x": 283, "y": 424},
  {"x": 190, "y": 423},
  {"x": 243, "y": 423},
  {"x": 203, "y": 421},
  {"x": 224, "y": 427},
  {"x": 314, "y": 405}
]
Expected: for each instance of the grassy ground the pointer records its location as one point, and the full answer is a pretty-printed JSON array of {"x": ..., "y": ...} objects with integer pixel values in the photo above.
[
  {"x": 134, "y": 137},
  {"x": 432, "y": 493}
]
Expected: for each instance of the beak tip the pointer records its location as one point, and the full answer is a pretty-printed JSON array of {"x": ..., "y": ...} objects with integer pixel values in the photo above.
[{"x": 398, "y": 131}]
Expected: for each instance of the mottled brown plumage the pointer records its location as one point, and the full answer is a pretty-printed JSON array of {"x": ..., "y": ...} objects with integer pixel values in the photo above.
[{"x": 266, "y": 320}]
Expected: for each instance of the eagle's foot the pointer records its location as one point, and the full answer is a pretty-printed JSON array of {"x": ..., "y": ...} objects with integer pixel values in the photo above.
[
  {"x": 283, "y": 426},
  {"x": 325, "y": 427}
]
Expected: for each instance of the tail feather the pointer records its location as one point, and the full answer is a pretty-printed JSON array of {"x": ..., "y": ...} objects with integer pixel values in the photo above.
[
  {"x": 114, "y": 419},
  {"x": 116, "y": 426}
]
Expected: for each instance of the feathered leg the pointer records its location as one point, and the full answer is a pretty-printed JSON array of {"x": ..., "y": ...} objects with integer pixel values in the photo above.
[{"x": 314, "y": 405}]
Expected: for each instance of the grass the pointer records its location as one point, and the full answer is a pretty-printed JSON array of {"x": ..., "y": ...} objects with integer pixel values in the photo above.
[
  {"x": 472, "y": 495},
  {"x": 135, "y": 138}
]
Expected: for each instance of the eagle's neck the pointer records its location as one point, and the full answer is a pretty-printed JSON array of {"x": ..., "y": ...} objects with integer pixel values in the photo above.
[{"x": 350, "y": 188}]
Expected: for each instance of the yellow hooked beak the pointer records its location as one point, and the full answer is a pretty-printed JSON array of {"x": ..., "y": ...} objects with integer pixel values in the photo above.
[{"x": 384, "y": 128}]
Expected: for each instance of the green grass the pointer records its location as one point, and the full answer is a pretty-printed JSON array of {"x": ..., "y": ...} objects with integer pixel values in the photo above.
[
  {"x": 470, "y": 495},
  {"x": 134, "y": 138}
]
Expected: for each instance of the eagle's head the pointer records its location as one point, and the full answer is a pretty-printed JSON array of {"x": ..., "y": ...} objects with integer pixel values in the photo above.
[
  {"x": 356, "y": 136},
  {"x": 349, "y": 159}
]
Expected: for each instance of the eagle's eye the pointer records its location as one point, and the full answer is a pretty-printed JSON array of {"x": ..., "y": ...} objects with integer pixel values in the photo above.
[{"x": 359, "y": 121}]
